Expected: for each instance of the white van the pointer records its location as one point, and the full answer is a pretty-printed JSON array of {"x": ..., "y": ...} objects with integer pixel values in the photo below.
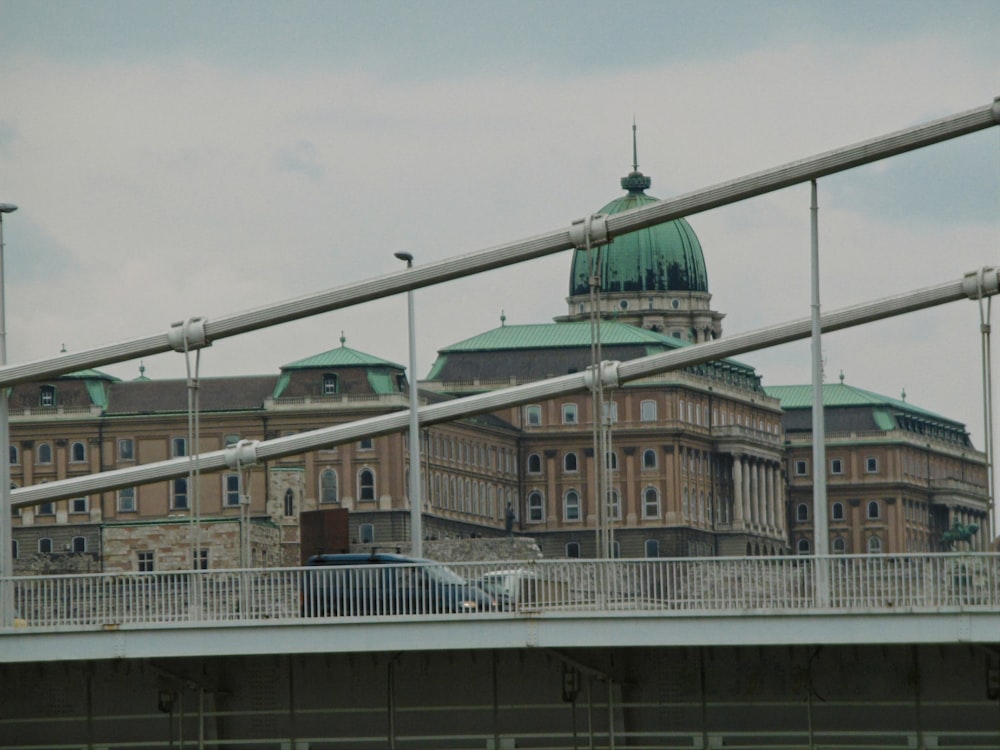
[{"x": 517, "y": 587}]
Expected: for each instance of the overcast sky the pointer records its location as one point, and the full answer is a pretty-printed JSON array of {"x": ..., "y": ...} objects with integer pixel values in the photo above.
[{"x": 200, "y": 158}]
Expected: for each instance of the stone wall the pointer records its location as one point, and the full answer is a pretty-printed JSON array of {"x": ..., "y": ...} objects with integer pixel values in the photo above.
[{"x": 171, "y": 545}]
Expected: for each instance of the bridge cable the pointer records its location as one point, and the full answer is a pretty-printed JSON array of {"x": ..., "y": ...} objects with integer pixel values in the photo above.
[
  {"x": 985, "y": 308},
  {"x": 193, "y": 433}
]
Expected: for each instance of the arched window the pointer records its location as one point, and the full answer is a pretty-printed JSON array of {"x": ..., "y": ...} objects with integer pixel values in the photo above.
[
  {"x": 652, "y": 547},
  {"x": 179, "y": 491},
  {"x": 573, "y": 550},
  {"x": 79, "y": 545},
  {"x": 328, "y": 486},
  {"x": 839, "y": 546},
  {"x": 615, "y": 505},
  {"x": 873, "y": 509},
  {"x": 647, "y": 411},
  {"x": 534, "y": 464},
  {"x": 802, "y": 512},
  {"x": 650, "y": 503},
  {"x": 78, "y": 453},
  {"x": 44, "y": 453},
  {"x": 366, "y": 485},
  {"x": 803, "y": 546},
  {"x": 570, "y": 462},
  {"x": 612, "y": 461},
  {"x": 837, "y": 512},
  {"x": 366, "y": 533},
  {"x": 874, "y": 545},
  {"x": 569, "y": 414},
  {"x": 289, "y": 504},
  {"x": 45, "y": 545},
  {"x": 536, "y": 507},
  {"x": 649, "y": 459},
  {"x": 571, "y": 506},
  {"x": 14, "y": 458}
]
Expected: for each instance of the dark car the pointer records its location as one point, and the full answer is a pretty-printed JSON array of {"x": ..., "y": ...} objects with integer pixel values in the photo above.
[{"x": 385, "y": 584}]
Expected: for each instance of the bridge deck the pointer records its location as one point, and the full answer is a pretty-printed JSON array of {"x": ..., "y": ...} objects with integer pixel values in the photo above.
[{"x": 564, "y": 603}]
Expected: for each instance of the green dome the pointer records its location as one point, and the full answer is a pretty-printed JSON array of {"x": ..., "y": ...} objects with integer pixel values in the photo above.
[{"x": 663, "y": 258}]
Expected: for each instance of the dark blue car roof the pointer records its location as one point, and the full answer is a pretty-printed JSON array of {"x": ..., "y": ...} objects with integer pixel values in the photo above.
[{"x": 359, "y": 558}]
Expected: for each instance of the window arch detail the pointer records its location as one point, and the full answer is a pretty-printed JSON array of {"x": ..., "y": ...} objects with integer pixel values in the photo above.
[{"x": 328, "y": 486}]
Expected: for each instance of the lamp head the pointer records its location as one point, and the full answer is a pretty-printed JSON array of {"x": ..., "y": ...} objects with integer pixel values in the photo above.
[
  {"x": 403, "y": 255},
  {"x": 7, "y": 208}
]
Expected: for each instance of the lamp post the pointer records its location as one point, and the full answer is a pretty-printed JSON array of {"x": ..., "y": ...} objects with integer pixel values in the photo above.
[
  {"x": 416, "y": 521},
  {"x": 6, "y": 530}
]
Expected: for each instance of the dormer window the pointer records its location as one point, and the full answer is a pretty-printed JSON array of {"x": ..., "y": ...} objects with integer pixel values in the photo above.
[
  {"x": 329, "y": 384},
  {"x": 47, "y": 396}
]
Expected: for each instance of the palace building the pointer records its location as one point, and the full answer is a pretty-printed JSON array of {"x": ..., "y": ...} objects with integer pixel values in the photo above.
[{"x": 702, "y": 461}]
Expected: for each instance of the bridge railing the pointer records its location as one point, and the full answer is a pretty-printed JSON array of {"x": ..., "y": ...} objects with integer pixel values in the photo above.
[{"x": 664, "y": 586}]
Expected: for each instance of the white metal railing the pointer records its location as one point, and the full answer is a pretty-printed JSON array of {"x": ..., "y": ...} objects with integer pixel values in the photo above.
[{"x": 663, "y": 586}]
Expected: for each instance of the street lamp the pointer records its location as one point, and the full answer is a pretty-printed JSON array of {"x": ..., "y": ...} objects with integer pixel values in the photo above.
[
  {"x": 416, "y": 521},
  {"x": 6, "y": 530}
]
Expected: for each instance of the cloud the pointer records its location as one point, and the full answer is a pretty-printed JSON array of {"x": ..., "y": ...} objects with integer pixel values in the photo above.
[
  {"x": 301, "y": 157},
  {"x": 169, "y": 188}
]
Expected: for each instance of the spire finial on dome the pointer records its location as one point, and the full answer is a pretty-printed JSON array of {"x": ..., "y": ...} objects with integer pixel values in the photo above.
[
  {"x": 841, "y": 377},
  {"x": 636, "y": 181},
  {"x": 635, "y": 148},
  {"x": 142, "y": 369},
  {"x": 343, "y": 339},
  {"x": 503, "y": 319}
]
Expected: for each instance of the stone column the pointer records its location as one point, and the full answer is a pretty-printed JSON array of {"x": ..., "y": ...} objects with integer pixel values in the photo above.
[
  {"x": 747, "y": 495},
  {"x": 769, "y": 475},
  {"x": 737, "y": 497}
]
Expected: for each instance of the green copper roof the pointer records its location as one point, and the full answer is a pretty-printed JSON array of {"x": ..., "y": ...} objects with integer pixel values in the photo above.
[
  {"x": 343, "y": 356},
  {"x": 553, "y": 347},
  {"x": 663, "y": 258},
  {"x": 90, "y": 375},
  {"x": 839, "y": 394},
  {"x": 560, "y": 335}
]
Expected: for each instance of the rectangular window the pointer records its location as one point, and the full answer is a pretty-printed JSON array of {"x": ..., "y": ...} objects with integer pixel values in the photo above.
[
  {"x": 801, "y": 468},
  {"x": 231, "y": 488},
  {"x": 647, "y": 411},
  {"x": 610, "y": 412},
  {"x": 836, "y": 466},
  {"x": 126, "y": 500},
  {"x": 145, "y": 561},
  {"x": 199, "y": 559},
  {"x": 871, "y": 465},
  {"x": 366, "y": 444},
  {"x": 46, "y": 509},
  {"x": 179, "y": 491},
  {"x": 533, "y": 415},
  {"x": 178, "y": 447},
  {"x": 126, "y": 449},
  {"x": 79, "y": 505},
  {"x": 569, "y": 413}
]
